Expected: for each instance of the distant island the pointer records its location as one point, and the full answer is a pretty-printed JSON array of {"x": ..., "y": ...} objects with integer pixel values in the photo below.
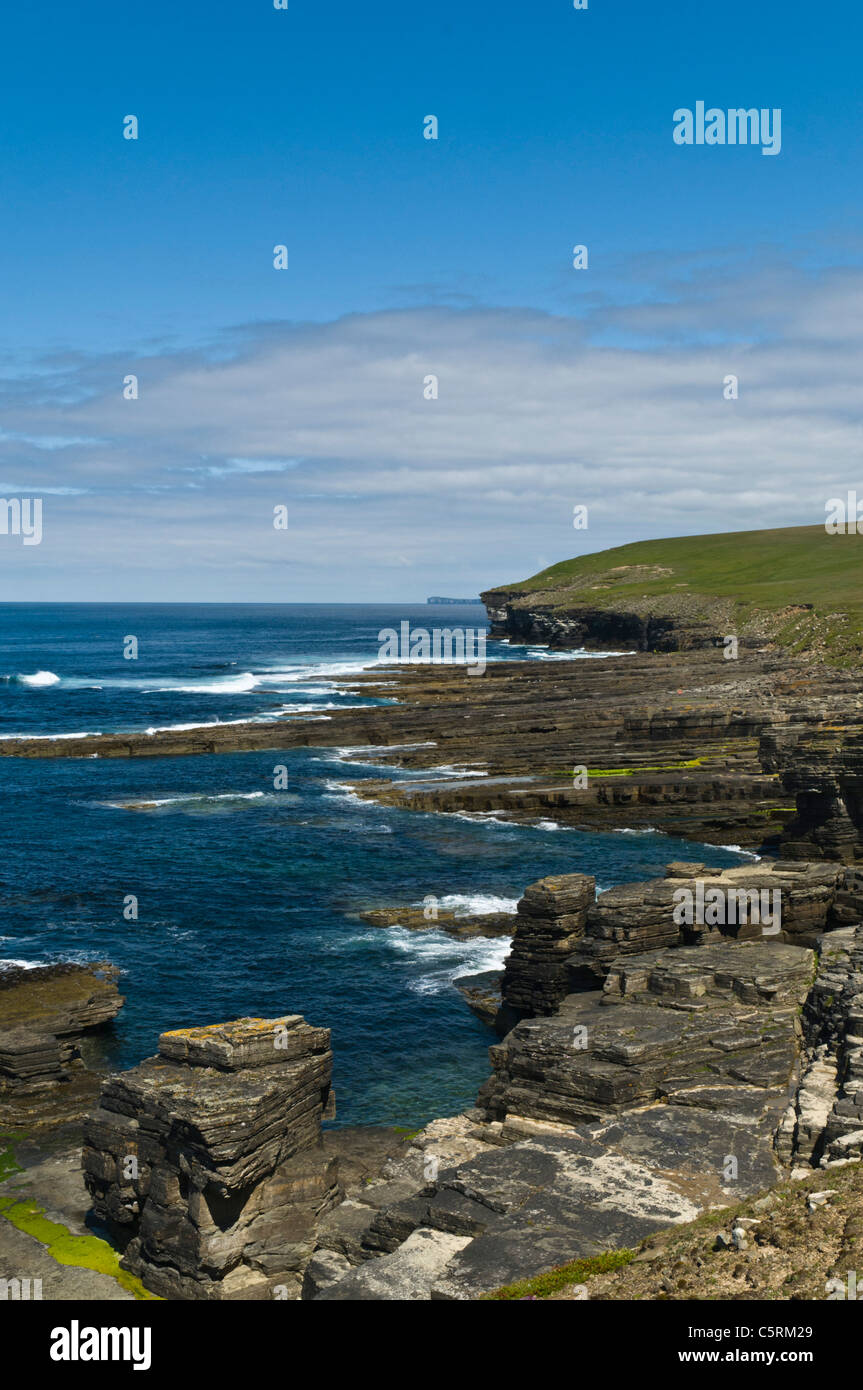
[{"x": 437, "y": 599}]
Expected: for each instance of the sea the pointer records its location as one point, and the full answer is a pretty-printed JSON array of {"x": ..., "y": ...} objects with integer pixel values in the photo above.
[{"x": 236, "y": 889}]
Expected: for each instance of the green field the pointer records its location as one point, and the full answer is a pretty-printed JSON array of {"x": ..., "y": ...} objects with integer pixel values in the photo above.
[{"x": 797, "y": 586}]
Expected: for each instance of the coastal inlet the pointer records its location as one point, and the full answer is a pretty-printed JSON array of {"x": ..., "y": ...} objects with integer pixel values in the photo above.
[{"x": 248, "y": 898}]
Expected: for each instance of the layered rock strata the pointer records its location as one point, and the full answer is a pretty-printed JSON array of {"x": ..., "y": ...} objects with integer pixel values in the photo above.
[
  {"x": 602, "y": 1124},
  {"x": 694, "y": 1027},
  {"x": 685, "y": 1067},
  {"x": 820, "y": 763},
  {"x": 47, "y": 1015},
  {"x": 523, "y": 616},
  {"x": 689, "y": 1076},
  {"x": 566, "y": 940},
  {"x": 550, "y": 921},
  {"x": 207, "y": 1159},
  {"x": 687, "y": 742},
  {"x": 825, "y": 1124}
]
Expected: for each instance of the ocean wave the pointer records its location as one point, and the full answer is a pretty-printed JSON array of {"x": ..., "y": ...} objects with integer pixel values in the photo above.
[
  {"x": 313, "y": 709},
  {"x": 735, "y": 849},
  {"x": 82, "y": 957},
  {"x": 210, "y": 724},
  {"x": 38, "y": 680},
  {"x": 442, "y": 958},
  {"x": 343, "y": 791},
  {"x": 83, "y": 733},
  {"x": 542, "y": 652},
  {"x": 452, "y": 770},
  {"x": 475, "y": 904},
  {"x": 319, "y": 670},
  {"x": 186, "y": 799},
  {"x": 228, "y": 685}
]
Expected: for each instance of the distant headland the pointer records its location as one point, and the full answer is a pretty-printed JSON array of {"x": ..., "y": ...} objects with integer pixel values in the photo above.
[{"x": 436, "y": 598}]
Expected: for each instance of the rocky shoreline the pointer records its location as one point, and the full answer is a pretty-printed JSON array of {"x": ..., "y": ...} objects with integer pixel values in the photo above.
[
  {"x": 649, "y": 1070},
  {"x": 764, "y": 752},
  {"x": 649, "y": 1067}
]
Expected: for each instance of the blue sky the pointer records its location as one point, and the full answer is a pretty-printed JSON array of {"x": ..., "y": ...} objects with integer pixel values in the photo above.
[{"x": 410, "y": 256}]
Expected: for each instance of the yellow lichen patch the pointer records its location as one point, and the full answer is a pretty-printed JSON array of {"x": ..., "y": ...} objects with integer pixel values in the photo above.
[{"x": 82, "y": 1252}]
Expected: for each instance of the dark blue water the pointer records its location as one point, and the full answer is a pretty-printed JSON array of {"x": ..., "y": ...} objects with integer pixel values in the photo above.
[
  {"x": 247, "y": 895},
  {"x": 63, "y": 668}
]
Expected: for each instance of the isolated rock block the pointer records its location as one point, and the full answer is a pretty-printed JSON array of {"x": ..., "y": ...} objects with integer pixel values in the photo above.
[{"x": 210, "y": 1156}]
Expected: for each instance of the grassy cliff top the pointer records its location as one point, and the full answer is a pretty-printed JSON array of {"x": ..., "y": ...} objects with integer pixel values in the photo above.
[{"x": 797, "y": 586}]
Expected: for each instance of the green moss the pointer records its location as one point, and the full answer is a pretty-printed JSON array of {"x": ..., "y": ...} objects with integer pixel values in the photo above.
[
  {"x": 8, "y": 1162},
  {"x": 628, "y": 771},
  {"x": 82, "y": 1252},
  {"x": 576, "y": 1272},
  {"x": 640, "y": 767}
]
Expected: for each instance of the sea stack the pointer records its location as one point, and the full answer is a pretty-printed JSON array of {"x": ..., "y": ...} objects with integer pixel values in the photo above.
[{"x": 207, "y": 1159}]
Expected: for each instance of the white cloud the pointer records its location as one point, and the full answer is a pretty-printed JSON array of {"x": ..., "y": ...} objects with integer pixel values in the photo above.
[{"x": 622, "y": 410}]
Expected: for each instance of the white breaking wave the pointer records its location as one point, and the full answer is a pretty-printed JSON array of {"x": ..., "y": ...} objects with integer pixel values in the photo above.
[
  {"x": 85, "y": 733},
  {"x": 342, "y": 791},
  {"x": 445, "y": 958},
  {"x": 229, "y": 685},
  {"x": 451, "y": 770},
  {"x": 474, "y": 904},
  {"x": 320, "y": 670},
  {"x": 39, "y": 679},
  {"x": 211, "y": 724},
  {"x": 542, "y": 652},
  {"x": 314, "y": 709},
  {"x": 147, "y": 803},
  {"x": 735, "y": 849}
]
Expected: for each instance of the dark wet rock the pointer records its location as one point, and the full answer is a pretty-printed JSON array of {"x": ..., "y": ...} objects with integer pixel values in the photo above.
[
  {"x": 637, "y": 917},
  {"x": 483, "y": 994},
  {"x": 462, "y": 925},
  {"x": 818, "y": 754}
]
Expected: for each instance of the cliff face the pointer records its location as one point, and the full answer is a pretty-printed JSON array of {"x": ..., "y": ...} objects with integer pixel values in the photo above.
[
  {"x": 524, "y": 617},
  {"x": 820, "y": 764},
  {"x": 794, "y": 587}
]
